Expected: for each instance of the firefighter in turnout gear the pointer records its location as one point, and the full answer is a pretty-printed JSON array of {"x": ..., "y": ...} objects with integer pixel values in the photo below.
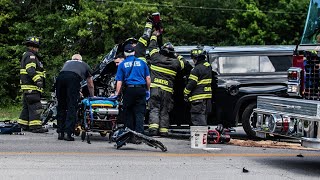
[
  {"x": 198, "y": 89},
  {"x": 140, "y": 46},
  {"x": 164, "y": 68},
  {"x": 32, "y": 77}
]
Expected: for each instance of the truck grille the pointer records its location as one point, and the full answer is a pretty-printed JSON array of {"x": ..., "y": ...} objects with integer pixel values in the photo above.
[
  {"x": 289, "y": 105},
  {"x": 311, "y": 76}
]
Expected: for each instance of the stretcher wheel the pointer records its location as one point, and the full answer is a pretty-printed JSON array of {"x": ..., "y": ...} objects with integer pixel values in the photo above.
[{"x": 83, "y": 135}]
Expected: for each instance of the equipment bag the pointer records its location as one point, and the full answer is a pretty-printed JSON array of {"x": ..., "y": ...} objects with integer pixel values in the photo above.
[{"x": 7, "y": 127}]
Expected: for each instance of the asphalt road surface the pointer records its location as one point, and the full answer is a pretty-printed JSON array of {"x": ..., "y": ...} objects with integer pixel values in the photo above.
[{"x": 42, "y": 156}]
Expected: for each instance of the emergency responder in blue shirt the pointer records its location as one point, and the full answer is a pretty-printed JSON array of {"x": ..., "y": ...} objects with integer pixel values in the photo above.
[{"x": 133, "y": 78}]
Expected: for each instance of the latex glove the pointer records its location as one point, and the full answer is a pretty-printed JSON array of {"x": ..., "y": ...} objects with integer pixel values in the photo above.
[
  {"x": 113, "y": 97},
  {"x": 147, "y": 95}
]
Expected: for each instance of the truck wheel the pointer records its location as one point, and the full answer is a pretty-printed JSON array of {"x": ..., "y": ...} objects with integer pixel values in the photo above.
[{"x": 249, "y": 120}]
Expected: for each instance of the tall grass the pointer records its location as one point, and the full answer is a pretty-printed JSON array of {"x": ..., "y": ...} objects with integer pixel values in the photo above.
[{"x": 10, "y": 113}]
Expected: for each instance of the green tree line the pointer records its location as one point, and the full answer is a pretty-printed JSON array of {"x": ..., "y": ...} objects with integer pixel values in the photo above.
[{"x": 93, "y": 27}]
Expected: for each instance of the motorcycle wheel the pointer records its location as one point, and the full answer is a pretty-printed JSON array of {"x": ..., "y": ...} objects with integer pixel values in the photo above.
[{"x": 46, "y": 114}]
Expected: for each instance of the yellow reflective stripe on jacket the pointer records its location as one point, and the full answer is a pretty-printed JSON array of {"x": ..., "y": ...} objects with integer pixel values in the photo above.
[
  {"x": 36, "y": 78},
  {"x": 143, "y": 59},
  {"x": 23, "y": 71},
  {"x": 31, "y": 87},
  {"x": 186, "y": 91},
  {"x": 153, "y": 38},
  {"x": 206, "y": 64},
  {"x": 23, "y": 122},
  {"x": 163, "y": 70},
  {"x": 29, "y": 65},
  {"x": 155, "y": 126},
  {"x": 165, "y": 88},
  {"x": 163, "y": 130},
  {"x": 35, "y": 123},
  {"x": 144, "y": 42},
  {"x": 153, "y": 51},
  {"x": 41, "y": 74},
  {"x": 200, "y": 96},
  {"x": 148, "y": 25},
  {"x": 181, "y": 61},
  {"x": 193, "y": 77},
  {"x": 205, "y": 81}
]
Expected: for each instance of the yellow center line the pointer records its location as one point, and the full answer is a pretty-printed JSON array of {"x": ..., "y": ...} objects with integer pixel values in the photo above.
[{"x": 160, "y": 154}]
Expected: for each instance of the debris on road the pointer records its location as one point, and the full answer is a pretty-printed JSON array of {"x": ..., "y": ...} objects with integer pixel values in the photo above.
[
  {"x": 244, "y": 170},
  {"x": 268, "y": 144},
  {"x": 300, "y": 155}
]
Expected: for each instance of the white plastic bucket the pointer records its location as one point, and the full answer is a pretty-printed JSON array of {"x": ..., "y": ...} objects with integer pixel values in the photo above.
[{"x": 199, "y": 136}]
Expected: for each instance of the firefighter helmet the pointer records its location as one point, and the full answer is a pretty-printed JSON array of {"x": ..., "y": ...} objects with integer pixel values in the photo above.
[
  {"x": 198, "y": 53},
  {"x": 167, "y": 49},
  {"x": 32, "y": 41},
  {"x": 131, "y": 40}
]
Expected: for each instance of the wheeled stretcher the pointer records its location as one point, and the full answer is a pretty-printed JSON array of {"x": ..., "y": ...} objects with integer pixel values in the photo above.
[{"x": 97, "y": 114}]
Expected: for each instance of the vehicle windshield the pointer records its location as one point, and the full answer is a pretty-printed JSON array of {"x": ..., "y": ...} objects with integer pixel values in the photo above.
[{"x": 311, "y": 33}]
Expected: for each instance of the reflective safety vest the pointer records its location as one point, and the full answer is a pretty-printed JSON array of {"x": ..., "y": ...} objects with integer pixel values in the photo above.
[
  {"x": 199, "y": 82},
  {"x": 31, "y": 71}
]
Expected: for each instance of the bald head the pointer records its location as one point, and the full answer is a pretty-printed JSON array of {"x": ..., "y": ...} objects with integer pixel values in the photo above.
[{"x": 77, "y": 57}]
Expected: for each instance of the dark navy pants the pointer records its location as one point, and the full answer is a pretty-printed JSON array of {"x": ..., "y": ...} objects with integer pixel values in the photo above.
[
  {"x": 68, "y": 87},
  {"x": 134, "y": 107}
]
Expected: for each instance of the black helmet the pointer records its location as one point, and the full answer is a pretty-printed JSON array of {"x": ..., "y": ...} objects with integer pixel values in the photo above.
[
  {"x": 131, "y": 40},
  {"x": 198, "y": 53},
  {"x": 32, "y": 41},
  {"x": 167, "y": 49}
]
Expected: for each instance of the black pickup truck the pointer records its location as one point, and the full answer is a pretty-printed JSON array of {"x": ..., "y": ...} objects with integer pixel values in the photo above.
[{"x": 242, "y": 72}]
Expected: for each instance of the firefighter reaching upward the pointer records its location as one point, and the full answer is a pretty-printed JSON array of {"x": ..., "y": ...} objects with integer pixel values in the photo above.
[
  {"x": 164, "y": 68},
  {"x": 32, "y": 77},
  {"x": 198, "y": 89}
]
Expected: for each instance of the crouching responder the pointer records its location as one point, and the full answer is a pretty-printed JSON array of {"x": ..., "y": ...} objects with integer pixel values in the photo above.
[
  {"x": 198, "y": 89},
  {"x": 68, "y": 87},
  {"x": 164, "y": 68},
  {"x": 32, "y": 77}
]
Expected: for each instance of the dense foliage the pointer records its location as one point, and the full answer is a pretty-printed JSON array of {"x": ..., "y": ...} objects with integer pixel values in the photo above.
[{"x": 92, "y": 27}]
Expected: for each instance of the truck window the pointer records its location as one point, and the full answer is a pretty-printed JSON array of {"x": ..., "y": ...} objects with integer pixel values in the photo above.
[
  {"x": 279, "y": 63},
  {"x": 266, "y": 65},
  {"x": 239, "y": 64}
]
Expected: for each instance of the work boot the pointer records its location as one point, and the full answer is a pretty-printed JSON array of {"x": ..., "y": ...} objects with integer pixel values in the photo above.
[
  {"x": 152, "y": 132},
  {"x": 60, "y": 136},
  {"x": 69, "y": 138},
  {"x": 40, "y": 130},
  {"x": 164, "y": 134}
]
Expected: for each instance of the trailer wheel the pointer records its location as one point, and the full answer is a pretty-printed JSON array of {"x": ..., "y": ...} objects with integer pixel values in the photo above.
[{"x": 249, "y": 120}]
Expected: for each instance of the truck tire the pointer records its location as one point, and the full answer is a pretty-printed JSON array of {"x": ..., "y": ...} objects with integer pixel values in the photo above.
[{"x": 249, "y": 121}]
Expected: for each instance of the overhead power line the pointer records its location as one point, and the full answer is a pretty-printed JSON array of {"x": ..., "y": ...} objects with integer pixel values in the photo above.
[{"x": 200, "y": 7}]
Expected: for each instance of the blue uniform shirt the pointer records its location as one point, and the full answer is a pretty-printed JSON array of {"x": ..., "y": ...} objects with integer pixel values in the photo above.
[{"x": 138, "y": 74}]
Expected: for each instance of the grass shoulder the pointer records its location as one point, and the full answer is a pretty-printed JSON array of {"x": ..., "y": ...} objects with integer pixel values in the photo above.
[{"x": 10, "y": 113}]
